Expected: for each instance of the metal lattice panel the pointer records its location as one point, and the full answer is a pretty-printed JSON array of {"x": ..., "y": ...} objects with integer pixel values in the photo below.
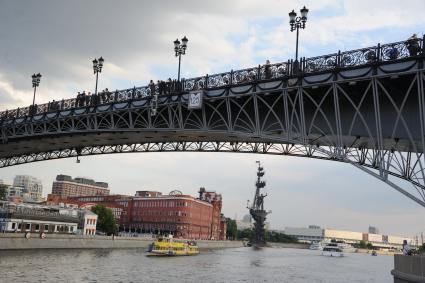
[{"x": 407, "y": 167}]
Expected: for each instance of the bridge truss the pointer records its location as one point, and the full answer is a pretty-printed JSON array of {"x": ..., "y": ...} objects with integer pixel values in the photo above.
[{"x": 342, "y": 107}]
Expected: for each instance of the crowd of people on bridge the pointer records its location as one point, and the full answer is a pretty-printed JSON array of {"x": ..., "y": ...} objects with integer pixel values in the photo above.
[
  {"x": 94, "y": 99},
  {"x": 165, "y": 87}
]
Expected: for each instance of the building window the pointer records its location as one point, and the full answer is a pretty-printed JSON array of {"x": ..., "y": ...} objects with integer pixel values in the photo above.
[
  {"x": 19, "y": 226},
  {"x": 27, "y": 226},
  {"x": 37, "y": 227},
  {"x": 13, "y": 226},
  {"x": 46, "y": 227}
]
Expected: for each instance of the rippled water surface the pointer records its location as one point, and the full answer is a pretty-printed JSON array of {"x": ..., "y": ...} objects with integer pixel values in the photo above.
[{"x": 229, "y": 265}]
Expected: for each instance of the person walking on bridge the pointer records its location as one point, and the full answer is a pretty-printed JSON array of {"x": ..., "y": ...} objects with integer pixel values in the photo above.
[{"x": 406, "y": 248}]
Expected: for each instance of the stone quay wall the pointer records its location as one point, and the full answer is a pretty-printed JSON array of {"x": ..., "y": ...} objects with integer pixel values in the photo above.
[
  {"x": 409, "y": 269},
  {"x": 289, "y": 245},
  {"x": 52, "y": 241}
]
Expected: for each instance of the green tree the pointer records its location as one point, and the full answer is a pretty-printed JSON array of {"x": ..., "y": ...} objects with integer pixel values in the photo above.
[
  {"x": 369, "y": 246},
  {"x": 232, "y": 229},
  {"x": 422, "y": 249},
  {"x": 105, "y": 219},
  {"x": 245, "y": 234},
  {"x": 362, "y": 245},
  {"x": 3, "y": 191},
  {"x": 276, "y": 237},
  {"x": 271, "y": 236}
]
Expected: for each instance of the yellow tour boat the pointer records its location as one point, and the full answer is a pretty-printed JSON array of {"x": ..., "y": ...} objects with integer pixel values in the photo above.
[{"x": 167, "y": 247}]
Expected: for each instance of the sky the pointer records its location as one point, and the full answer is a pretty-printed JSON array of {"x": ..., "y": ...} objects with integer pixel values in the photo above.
[{"x": 60, "y": 38}]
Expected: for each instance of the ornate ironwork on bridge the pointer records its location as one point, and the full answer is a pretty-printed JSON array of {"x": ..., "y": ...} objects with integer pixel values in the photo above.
[
  {"x": 363, "y": 107},
  {"x": 257, "y": 210}
]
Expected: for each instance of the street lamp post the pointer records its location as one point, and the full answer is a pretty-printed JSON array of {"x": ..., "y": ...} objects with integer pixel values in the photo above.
[
  {"x": 180, "y": 49},
  {"x": 296, "y": 23},
  {"x": 97, "y": 68},
  {"x": 35, "y": 83}
]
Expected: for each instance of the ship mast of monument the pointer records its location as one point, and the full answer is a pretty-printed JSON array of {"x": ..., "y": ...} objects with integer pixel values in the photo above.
[
  {"x": 259, "y": 197},
  {"x": 257, "y": 209}
]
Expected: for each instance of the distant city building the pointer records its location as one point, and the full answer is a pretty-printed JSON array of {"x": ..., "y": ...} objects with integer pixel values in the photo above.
[
  {"x": 17, "y": 192},
  {"x": 114, "y": 202},
  {"x": 66, "y": 186},
  {"x": 148, "y": 194},
  {"x": 319, "y": 234},
  {"x": 247, "y": 218},
  {"x": 31, "y": 184},
  {"x": 245, "y": 223},
  {"x": 313, "y": 226},
  {"x": 373, "y": 230},
  {"x": 13, "y": 193}
]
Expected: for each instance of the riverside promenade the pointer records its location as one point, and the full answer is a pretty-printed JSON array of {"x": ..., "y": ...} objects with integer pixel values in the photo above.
[{"x": 57, "y": 241}]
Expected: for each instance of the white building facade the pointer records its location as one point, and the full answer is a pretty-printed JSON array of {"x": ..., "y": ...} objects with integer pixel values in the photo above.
[
  {"x": 88, "y": 222},
  {"x": 33, "y": 185},
  {"x": 315, "y": 233},
  {"x": 23, "y": 218}
]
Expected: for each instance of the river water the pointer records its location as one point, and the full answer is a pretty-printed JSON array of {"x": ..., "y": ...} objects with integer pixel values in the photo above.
[{"x": 228, "y": 265}]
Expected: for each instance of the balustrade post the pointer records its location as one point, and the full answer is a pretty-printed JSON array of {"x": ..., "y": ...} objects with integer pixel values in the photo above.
[
  {"x": 116, "y": 96},
  {"x": 206, "y": 81},
  {"x": 300, "y": 66},
  {"x": 288, "y": 66},
  {"x": 338, "y": 59},
  {"x": 133, "y": 92},
  {"x": 231, "y": 77},
  {"x": 17, "y": 113},
  {"x": 378, "y": 51},
  {"x": 292, "y": 67},
  {"x": 423, "y": 45},
  {"x": 259, "y": 73}
]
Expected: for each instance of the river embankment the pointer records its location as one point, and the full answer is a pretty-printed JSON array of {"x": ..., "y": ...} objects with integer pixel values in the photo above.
[
  {"x": 57, "y": 241},
  {"x": 288, "y": 245}
]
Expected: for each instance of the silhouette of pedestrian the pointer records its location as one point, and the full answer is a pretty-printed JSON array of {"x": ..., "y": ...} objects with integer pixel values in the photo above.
[
  {"x": 412, "y": 45},
  {"x": 267, "y": 71}
]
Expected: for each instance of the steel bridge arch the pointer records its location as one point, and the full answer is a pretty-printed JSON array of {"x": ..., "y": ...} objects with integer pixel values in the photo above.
[{"x": 363, "y": 159}]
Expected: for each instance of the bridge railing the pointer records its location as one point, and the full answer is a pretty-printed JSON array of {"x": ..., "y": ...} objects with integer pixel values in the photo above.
[
  {"x": 353, "y": 58},
  {"x": 364, "y": 56}
]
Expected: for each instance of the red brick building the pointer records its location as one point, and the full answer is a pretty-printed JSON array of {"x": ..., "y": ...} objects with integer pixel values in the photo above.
[
  {"x": 183, "y": 216},
  {"x": 216, "y": 202}
]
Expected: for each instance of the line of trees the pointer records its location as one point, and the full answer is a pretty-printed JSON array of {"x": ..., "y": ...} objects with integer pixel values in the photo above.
[
  {"x": 364, "y": 245},
  {"x": 271, "y": 236},
  {"x": 233, "y": 233}
]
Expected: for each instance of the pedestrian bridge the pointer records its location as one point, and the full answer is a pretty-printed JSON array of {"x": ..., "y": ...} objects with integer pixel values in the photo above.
[{"x": 364, "y": 107}]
